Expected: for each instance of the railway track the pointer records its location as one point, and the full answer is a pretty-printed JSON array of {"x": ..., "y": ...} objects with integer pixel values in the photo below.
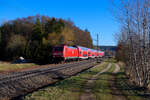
[
  {"x": 17, "y": 75},
  {"x": 19, "y": 83}
]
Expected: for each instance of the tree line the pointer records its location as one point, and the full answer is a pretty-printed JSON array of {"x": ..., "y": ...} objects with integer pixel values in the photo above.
[
  {"x": 134, "y": 39},
  {"x": 34, "y": 37}
]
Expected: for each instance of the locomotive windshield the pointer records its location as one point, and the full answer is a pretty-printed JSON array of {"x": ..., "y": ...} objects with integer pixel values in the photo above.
[{"x": 58, "y": 49}]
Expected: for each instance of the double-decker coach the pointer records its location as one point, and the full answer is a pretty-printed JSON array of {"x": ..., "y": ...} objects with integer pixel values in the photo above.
[
  {"x": 102, "y": 53},
  {"x": 89, "y": 53},
  {"x": 99, "y": 53},
  {"x": 83, "y": 52},
  {"x": 92, "y": 53}
]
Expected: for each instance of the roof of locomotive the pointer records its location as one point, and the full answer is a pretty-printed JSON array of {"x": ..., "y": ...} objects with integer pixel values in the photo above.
[{"x": 71, "y": 47}]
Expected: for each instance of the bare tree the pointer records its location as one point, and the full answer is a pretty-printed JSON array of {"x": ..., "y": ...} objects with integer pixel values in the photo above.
[{"x": 134, "y": 17}]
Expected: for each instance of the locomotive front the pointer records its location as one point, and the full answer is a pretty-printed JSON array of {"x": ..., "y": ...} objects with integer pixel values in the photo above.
[{"x": 58, "y": 53}]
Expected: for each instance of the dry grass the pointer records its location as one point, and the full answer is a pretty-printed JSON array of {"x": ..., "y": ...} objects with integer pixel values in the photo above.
[{"x": 5, "y": 66}]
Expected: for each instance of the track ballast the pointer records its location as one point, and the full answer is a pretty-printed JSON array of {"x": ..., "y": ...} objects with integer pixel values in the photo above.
[{"x": 19, "y": 83}]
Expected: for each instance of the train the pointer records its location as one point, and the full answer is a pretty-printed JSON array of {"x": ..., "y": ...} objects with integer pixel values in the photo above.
[{"x": 70, "y": 53}]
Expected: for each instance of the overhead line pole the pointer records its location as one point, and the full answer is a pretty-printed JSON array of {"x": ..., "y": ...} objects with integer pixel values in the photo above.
[
  {"x": 97, "y": 45},
  {"x": 97, "y": 41}
]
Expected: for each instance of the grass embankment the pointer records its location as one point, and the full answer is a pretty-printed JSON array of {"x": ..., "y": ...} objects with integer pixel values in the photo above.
[
  {"x": 69, "y": 89},
  {"x": 13, "y": 67},
  {"x": 130, "y": 91}
]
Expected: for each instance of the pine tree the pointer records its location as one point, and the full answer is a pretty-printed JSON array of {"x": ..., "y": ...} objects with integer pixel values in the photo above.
[
  {"x": 36, "y": 38},
  {"x": 54, "y": 26},
  {"x": 0, "y": 42},
  {"x": 0, "y": 36},
  {"x": 37, "y": 31}
]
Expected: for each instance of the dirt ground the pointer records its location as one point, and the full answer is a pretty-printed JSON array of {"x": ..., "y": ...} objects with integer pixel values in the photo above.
[{"x": 113, "y": 85}]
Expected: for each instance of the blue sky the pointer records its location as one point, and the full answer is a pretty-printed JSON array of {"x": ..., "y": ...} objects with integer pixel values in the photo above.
[{"x": 95, "y": 15}]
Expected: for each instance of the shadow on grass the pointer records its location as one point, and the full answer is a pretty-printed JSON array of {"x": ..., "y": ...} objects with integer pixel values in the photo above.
[
  {"x": 121, "y": 84},
  {"x": 130, "y": 89},
  {"x": 75, "y": 82}
]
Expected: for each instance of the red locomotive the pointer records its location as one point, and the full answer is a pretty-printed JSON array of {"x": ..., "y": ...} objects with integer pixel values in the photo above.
[{"x": 66, "y": 53}]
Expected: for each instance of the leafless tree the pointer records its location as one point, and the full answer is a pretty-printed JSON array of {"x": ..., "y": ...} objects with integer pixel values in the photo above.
[{"x": 134, "y": 17}]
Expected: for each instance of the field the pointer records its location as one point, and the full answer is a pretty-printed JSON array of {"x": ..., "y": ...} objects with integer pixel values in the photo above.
[{"x": 6, "y": 66}]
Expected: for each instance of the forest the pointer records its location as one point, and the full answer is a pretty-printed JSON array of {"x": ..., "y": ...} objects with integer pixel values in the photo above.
[{"x": 34, "y": 37}]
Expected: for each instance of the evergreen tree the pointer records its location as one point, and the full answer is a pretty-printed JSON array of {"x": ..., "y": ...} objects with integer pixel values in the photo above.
[
  {"x": 37, "y": 31},
  {"x": 0, "y": 37},
  {"x": 0, "y": 43},
  {"x": 36, "y": 40},
  {"x": 54, "y": 26}
]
